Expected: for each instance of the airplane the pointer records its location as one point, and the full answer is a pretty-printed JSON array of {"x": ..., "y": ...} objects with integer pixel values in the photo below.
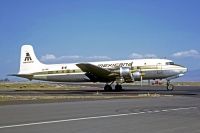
[{"x": 108, "y": 72}]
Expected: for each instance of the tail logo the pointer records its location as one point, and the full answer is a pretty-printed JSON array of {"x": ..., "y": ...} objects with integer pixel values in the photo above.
[{"x": 28, "y": 58}]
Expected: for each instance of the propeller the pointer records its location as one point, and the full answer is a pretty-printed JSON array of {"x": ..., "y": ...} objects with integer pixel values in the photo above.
[
  {"x": 141, "y": 77},
  {"x": 141, "y": 80}
]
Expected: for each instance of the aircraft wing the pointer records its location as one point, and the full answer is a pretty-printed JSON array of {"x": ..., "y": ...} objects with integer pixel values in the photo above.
[{"x": 96, "y": 71}]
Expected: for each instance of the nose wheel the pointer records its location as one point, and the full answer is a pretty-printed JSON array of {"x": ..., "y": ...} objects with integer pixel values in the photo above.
[{"x": 170, "y": 87}]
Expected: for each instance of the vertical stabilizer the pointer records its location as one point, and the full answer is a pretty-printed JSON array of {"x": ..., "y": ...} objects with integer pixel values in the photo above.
[{"x": 28, "y": 61}]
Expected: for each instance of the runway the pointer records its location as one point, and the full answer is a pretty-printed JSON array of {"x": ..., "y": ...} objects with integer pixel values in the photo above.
[
  {"x": 168, "y": 114},
  {"x": 90, "y": 89}
]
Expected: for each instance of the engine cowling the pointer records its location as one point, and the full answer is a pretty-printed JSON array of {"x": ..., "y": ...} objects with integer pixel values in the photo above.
[
  {"x": 125, "y": 72},
  {"x": 127, "y": 76},
  {"x": 124, "y": 75},
  {"x": 136, "y": 74}
]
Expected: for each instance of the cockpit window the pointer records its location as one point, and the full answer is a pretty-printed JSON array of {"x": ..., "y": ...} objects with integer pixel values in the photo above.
[{"x": 170, "y": 63}]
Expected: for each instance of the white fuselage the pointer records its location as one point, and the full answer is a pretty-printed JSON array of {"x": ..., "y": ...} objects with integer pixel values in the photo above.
[{"x": 152, "y": 69}]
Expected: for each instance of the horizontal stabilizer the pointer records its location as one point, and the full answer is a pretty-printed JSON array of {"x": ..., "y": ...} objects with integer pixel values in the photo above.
[{"x": 27, "y": 76}]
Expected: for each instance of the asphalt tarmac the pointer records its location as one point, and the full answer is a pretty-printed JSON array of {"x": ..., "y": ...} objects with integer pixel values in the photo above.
[
  {"x": 91, "y": 89},
  {"x": 165, "y": 114}
]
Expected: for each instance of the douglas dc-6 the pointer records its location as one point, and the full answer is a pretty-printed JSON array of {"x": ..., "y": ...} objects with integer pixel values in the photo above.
[{"x": 108, "y": 72}]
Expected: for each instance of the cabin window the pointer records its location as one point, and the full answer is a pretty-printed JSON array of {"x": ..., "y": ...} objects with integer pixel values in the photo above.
[
  {"x": 64, "y": 67},
  {"x": 169, "y": 63}
]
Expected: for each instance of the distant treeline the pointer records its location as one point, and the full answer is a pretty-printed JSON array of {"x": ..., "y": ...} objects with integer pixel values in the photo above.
[{"x": 4, "y": 80}]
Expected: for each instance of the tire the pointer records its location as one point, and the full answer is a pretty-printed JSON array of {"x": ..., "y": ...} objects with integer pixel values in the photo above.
[
  {"x": 118, "y": 88},
  {"x": 107, "y": 88},
  {"x": 170, "y": 87}
]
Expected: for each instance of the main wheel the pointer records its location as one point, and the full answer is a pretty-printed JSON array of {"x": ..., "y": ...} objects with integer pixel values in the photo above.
[
  {"x": 107, "y": 88},
  {"x": 118, "y": 87}
]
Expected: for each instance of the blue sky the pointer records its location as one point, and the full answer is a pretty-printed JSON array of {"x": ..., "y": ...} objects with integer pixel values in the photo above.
[{"x": 76, "y": 30}]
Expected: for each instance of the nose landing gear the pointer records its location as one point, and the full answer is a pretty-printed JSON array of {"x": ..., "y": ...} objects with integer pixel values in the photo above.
[{"x": 170, "y": 87}]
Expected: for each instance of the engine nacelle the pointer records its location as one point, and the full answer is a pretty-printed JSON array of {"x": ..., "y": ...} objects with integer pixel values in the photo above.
[
  {"x": 136, "y": 74},
  {"x": 125, "y": 74}
]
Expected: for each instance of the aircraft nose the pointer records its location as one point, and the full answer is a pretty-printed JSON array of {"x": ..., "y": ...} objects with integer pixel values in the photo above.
[{"x": 184, "y": 70}]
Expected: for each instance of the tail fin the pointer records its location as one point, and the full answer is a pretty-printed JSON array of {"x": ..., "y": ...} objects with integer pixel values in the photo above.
[{"x": 28, "y": 61}]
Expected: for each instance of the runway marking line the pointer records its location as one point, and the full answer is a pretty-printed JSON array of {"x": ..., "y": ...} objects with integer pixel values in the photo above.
[{"x": 95, "y": 117}]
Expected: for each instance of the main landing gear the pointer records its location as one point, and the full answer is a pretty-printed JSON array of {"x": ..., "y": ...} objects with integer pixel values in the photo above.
[
  {"x": 108, "y": 87},
  {"x": 170, "y": 87},
  {"x": 118, "y": 87}
]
